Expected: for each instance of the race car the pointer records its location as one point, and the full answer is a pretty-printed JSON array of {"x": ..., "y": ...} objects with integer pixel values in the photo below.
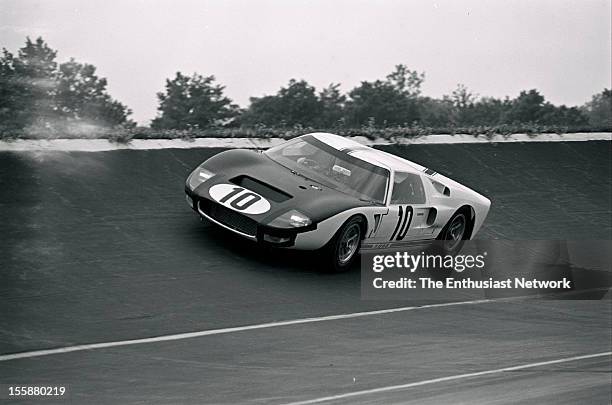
[{"x": 321, "y": 191}]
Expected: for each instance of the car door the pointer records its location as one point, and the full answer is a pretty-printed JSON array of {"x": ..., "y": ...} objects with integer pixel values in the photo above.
[{"x": 407, "y": 214}]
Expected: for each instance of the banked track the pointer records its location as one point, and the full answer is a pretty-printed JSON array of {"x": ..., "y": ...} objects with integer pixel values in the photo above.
[{"x": 101, "y": 247}]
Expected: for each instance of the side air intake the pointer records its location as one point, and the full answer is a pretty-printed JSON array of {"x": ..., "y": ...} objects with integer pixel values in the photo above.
[{"x": 441, "y": 188}]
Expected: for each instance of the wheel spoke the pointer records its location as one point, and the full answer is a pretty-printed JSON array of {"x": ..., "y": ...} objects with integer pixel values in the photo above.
[
  {"x": 349, "y": 243},
  {"x": 455, "y": 232}
]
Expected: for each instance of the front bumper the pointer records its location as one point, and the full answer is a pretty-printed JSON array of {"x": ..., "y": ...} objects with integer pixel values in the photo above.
[{"x": 243, "y": 225}]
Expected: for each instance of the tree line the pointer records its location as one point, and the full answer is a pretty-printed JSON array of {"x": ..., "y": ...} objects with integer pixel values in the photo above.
[
  {"x": 36, "y": 91},
  {"x": 197, "y": 102}
]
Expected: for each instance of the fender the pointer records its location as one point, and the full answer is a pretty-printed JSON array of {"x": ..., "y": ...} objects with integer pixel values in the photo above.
[{"x": 327, "y": 228}]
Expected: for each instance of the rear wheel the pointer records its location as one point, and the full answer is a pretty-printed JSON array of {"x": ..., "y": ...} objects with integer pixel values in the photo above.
[
  {"x": 454, "y": 233},
  {"x": 342, "y": 250}
]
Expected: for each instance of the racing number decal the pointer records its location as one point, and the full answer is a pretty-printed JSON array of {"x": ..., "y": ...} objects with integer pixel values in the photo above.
[
  {"x": 231, "y": 194},
  {"x": 239, "y": 198},
  {"x": 239, "y": 202},
  {"x": 403, "y": 223}
]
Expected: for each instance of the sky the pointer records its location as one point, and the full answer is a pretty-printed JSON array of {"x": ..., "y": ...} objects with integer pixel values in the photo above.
[{"x": 253, "y": 47}]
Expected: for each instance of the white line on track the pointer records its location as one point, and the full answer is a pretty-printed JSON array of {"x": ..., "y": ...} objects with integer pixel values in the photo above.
[
  {"x": 101, "y": 145},
  {"x": 209, "y": 332},
  {"x": 444, "y": 379}
]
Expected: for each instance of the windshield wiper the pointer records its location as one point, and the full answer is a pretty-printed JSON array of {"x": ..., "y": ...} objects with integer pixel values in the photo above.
[{"x": 301, "y": 175}]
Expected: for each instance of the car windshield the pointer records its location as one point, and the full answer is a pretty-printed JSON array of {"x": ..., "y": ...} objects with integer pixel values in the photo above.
[{"x": 311, "y": 158}]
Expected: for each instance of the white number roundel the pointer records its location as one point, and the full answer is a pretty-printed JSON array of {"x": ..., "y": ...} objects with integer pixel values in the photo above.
[{"x": 239, "y": 199}]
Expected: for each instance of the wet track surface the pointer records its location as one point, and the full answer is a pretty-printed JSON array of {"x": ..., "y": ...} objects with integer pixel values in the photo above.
[{"x": 102, "y": 247}]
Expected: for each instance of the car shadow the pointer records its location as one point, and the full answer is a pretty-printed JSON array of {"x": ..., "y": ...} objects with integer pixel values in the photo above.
[{"x": 281, "y": 259}]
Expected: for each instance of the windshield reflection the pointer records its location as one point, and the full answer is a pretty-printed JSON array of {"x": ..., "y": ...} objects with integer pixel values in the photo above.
[{"x": 313, "y": 159}]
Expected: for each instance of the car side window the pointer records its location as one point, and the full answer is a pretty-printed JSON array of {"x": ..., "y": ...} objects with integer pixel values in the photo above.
[{"x": 407, "y": 189}]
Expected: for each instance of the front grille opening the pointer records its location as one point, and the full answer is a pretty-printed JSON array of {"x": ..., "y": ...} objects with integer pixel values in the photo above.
[
  {"x": 229, "y": 218},
  {"x": 263, "y": 189}
]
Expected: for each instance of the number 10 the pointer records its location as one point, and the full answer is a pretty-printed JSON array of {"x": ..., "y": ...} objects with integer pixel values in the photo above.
[
  {"x": 239, "y": 198},
  {"x": 403, "y": 223}
]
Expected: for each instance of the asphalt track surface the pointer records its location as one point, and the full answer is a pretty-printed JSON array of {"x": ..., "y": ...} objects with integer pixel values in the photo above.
[{"x": 101, "y": 247}]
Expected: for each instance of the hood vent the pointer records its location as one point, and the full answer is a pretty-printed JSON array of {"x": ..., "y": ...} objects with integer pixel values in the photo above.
[{"x": 261, "y": 188}]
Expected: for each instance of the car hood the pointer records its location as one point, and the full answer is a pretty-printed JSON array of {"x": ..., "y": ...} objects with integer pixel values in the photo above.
[{"x": 283, "y": 189}]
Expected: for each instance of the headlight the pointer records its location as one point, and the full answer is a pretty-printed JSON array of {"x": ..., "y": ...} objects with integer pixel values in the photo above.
[
  {"x": 198, "y": 177},
  {"x": 291, "y": 219}
]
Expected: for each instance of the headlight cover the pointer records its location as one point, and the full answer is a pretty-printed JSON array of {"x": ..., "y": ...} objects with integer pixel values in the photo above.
[
  {"x": 199, "y": 176},
  {"x": 291, "y": 219}
]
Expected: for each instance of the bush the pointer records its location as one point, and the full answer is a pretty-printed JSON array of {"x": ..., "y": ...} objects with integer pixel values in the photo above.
[{"x": 125, "y": 134}]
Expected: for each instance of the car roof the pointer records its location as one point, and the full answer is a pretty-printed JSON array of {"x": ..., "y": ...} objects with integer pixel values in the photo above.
[{"x": 370, "y": 155}]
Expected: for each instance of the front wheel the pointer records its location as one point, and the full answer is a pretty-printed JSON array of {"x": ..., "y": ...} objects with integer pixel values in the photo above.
[{"x": 342, "y": 250}]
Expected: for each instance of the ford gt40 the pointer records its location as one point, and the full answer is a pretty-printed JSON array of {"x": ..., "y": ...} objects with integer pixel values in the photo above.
[{"x": 323, "y": 191}]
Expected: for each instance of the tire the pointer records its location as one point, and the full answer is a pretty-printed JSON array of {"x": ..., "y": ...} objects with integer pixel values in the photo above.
[
  {"x": 340, "y": 252},
  {"x": 453, "y": 235}
]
